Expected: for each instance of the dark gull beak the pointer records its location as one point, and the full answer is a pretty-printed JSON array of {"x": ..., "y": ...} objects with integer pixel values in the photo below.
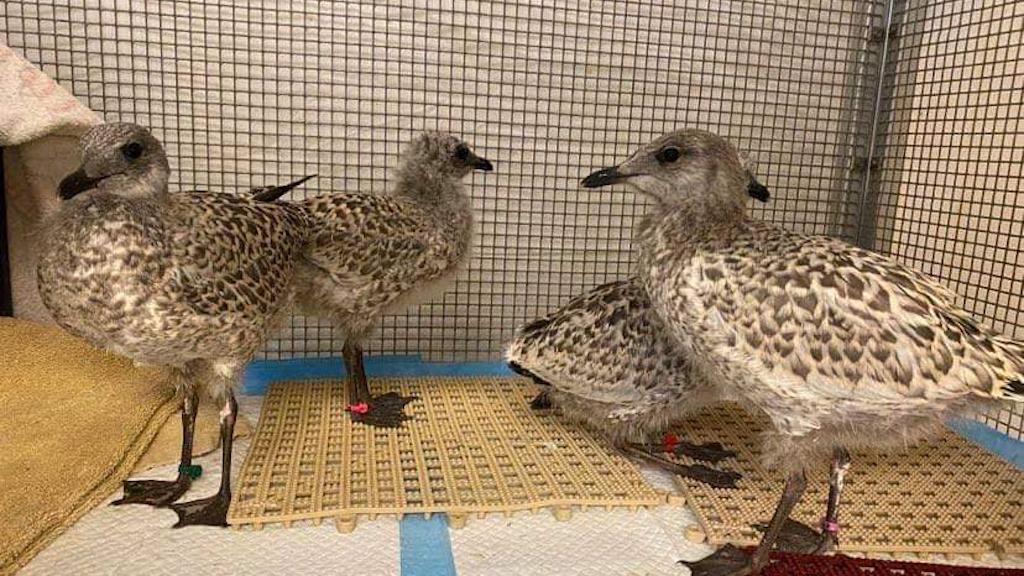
[
  {"x": 604, "y": 177},
  {"x": 757, "y": 191},
  {"x": 479, "y": 163},
  {"x": 75, "y": 183}
]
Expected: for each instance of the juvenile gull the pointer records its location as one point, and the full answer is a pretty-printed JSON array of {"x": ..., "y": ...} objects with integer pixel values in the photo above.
[
  {"x": 605, "y": 360},
  {"x": 373, "y": 254},
  {"x": 191, "y": 281},
  {"x": 840, "y": 347}
]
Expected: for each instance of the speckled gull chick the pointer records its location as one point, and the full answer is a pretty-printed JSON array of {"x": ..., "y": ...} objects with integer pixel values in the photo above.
[
  {"x": 373, "y": 254},
  {"x": 190, "y": 281},
  {"x": 839, "y": 346},
  {"x": 604, "y": 360}
]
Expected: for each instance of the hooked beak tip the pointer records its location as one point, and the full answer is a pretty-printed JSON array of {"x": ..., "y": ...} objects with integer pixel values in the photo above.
[
  {"x": 75, "y": 183},
  {"x": 484, "y": 164},
  {"x": 758, "y": 191},
  {"x": 603, "y": 177}
]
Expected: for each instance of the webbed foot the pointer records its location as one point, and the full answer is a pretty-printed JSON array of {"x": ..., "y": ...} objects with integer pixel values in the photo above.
[
  {"x": 726, "y": 561},
  {"x": 799, "y": 538},
  {"x": 212, "y": 511},
  {"x": 710, "y": 476},
  {"x": 712, "y": 452},
  {"x": 384, "y": 411},
  {"x": 541, "y": 401},
  {"x": 706, "y": 474},
  {"x": 159, "y": 493}
]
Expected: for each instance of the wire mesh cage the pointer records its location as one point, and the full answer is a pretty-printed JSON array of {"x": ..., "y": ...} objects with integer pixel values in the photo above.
[
  {"x": 948, "y": 195},
  {"x": 893, "y": 124}
]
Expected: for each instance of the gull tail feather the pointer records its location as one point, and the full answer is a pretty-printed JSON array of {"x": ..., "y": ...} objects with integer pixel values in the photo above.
[
  {"x": 1012, "y": 390},
  {"x": 1011, "y": 386},
  {"x": 271, "y": 193},
  {"x": 519, "y": 369}
]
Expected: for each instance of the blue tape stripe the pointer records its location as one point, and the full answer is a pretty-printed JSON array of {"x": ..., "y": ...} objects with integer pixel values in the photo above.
[
  {"x": 261, "y": 373},
  {"x": 991, "y": 439},
  {"x": 426, "y": 546}
]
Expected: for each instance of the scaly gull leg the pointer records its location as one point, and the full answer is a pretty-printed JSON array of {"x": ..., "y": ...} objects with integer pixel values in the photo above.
[
  {"x": 705, "y": 474},
  {"x": 213, "y": 511},
  {"x": 384, "y": 411},
  {"x": 830, "y": 525},
  {"x": 802, "y": 539},
  {"x": 163, "y": 492},
  {"x": 712, "y": 452},
  {"x": 731, "y": 561}
]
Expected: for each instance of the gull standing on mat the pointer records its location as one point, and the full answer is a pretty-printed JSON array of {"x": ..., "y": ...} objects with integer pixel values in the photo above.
[
  {"x": 841, "y": 347},
  {"x": 373, "y": 254},
  {"x": 192, "y": 281},
  {"x": 606, "y": 360}
]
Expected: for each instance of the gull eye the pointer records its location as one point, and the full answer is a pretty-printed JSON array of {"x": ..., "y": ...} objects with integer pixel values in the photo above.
[
  {"x": 668, "y": 155},
  {"x": 462, "y": 152},
  {"x": 132, "y": 150}
]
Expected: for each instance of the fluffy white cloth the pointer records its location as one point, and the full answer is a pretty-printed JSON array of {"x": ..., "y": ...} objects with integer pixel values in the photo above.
[
  {"x": 33, "y": 105},
  {"x": 40, "y": 123}
]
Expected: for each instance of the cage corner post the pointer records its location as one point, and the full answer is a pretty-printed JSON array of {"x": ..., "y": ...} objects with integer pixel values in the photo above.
[
  {"x": 6, "y": 293},
  {"x": 869, "y": 139}
]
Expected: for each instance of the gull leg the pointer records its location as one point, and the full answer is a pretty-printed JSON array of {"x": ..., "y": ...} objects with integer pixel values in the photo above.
[
  {"x": 213, "y": 511},
  {"x": 830, "y": 525},
  {"x": 801, "y": 538},
  {"x": 384, "y": 411},
  {"x": 731, "y": 561},
  {"x": 712, "y": 452},
  {"x": 358, "y": 389},
  {"x": 705, "y": 474},
  {"x": 162, "y": 493}
]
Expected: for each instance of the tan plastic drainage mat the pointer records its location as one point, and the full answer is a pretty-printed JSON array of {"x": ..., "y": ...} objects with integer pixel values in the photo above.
[
  {"x": 945, "y": 496},
  {"x": 473, "y": 446}
]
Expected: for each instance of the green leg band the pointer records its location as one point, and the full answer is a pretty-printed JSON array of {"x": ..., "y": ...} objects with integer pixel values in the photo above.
[{"x": 193, "y": 471}]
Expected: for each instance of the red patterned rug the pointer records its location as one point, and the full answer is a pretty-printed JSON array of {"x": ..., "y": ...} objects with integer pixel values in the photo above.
[{"x": 786, "y": 564}]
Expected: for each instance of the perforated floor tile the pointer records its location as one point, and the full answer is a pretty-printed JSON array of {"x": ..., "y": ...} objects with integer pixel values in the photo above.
[
  {"x": 944, "y": 496},
  {"x": 138, "y": 540},
  {"x": 473, "y": 446}
]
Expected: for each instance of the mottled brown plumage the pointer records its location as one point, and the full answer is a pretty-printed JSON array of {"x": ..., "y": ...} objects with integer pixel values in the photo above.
[
  {"x": 373, "y": 254},
  {"x": 839, "y": 346},
  {"x": 605, "y": 360},
  {"x": 191, "y": 281}
]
